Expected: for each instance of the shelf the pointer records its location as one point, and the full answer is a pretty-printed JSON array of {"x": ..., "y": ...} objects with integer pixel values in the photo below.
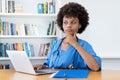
[
  {"x": 25, "y": 37},
  {"x": 31, "y": 58},
  {"x": 19, "y": 15}
]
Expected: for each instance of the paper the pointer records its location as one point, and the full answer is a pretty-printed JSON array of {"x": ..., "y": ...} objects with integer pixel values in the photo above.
[{"x": 71, "y": 74}]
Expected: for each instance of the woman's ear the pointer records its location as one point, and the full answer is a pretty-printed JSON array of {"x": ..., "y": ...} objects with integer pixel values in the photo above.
[{"x": 79, "y": 27}]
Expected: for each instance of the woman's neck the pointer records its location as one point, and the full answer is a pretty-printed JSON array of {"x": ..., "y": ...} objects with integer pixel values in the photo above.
[{"x": 64, "y": 45}]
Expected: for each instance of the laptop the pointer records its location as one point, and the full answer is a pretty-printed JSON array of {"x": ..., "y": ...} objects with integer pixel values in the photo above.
[{"x": 21, "y": 63}]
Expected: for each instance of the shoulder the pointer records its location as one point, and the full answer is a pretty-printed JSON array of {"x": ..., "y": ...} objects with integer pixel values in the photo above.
[
  {"x": 85, "y": 44},
  {"x": 57, "y": 41}
]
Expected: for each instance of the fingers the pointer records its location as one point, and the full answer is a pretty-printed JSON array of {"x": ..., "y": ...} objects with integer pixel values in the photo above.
[
  {"x": 44, "y": 66},
  {"x": 74, "y": 35},
  {"x": 40, "y": 67},
  {"x": 37, "y": 66}
]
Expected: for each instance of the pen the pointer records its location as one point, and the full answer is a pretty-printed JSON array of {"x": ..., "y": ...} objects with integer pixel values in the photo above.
[{"x": 65, "y": 76}]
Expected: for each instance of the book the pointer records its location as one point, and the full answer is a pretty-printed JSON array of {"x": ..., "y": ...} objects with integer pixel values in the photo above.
[
  {"x": 11, "y": 6},
  {"x": 4, "y": 6},
  {"x": 1, "y": 29},
  {"x": 12, "y": 28},
  {"x": 71, "y": 74},
  {"x": 27, "y": 49},
  {"x": 45, "y": 7},
  {"x": 1, "y": 66},
  {"x": 0, "y": 6},
  {"x": 40, "y": 8},
  {"x": 3, "y": 49},
  {"x": 18, "y": 8},
  {"x": 22, "y": 30},
  {"x": 0, "y": 49},
  {"x": 41, "y": 50},
  {"x": 32, "y": 50}
]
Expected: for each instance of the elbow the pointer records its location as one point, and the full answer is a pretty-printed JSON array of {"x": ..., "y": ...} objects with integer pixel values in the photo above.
[{"x": 96, "y": 69}]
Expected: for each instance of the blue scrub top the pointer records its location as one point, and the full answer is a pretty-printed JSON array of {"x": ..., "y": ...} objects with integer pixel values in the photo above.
[{"x": 58, "y": 58}]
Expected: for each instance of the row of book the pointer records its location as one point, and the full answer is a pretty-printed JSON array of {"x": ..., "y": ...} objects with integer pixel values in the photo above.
[
  {"x": 52, "y": 28},
  {"x": 46, "y": 8},
  {"x": 44, "y": 49},
  {"x": 7, "y": 28},
  {"x": 29, "y": 48},
  {"x": 9, "y": 6},
  {"x": 4, "y": 66}
]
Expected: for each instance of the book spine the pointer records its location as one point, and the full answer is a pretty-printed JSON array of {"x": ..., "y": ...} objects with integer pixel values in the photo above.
[
  {"x": 27, "y": 48},
  {"x": 18, "y": 8},
  {"x": 3, "y": 50},
  {"x": 1, "y": 29},
  {"x": 40, "y": 8},
  {"x": 12, "y": 28},
  {"x": 3, "y": 6},
  {"x": 1, "y": 66},
  {"x": 0, "y": 49},
  {"x": 0, "y": 6},
  {"x": 11, "y": 6},
  {"x": 32, "y": 50}
]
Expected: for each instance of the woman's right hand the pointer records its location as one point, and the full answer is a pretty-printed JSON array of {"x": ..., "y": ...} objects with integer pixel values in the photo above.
[{"x": 40, "y": 66}]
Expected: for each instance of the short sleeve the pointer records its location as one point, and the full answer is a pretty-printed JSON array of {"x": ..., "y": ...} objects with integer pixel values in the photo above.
[{"x": 90, "y": 50}]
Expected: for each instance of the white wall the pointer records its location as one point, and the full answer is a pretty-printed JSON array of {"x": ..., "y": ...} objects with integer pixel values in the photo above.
[
  {"x": 110, "y": 63},
  {"x": 104, "y": 27}
]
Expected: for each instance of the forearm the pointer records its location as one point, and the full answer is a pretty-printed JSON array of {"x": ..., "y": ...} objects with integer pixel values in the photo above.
[{"x": 89, "y": 59}]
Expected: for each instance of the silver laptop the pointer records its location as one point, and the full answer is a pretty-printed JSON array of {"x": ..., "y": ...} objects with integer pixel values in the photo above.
[{"x": 21, "y": 63}]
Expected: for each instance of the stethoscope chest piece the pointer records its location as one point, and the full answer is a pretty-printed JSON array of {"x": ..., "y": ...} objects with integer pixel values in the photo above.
[{"x": 71, "y": 66}]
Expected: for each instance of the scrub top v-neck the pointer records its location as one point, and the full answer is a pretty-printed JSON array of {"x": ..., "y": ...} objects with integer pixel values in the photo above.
[{"x": 65, "y": 57}]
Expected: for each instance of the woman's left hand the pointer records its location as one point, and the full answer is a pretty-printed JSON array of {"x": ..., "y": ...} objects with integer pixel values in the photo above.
[{"x": 70, "y": 39}]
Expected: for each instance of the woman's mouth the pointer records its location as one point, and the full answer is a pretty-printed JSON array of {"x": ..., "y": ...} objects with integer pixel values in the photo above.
[{"x": 69, "y": 30}]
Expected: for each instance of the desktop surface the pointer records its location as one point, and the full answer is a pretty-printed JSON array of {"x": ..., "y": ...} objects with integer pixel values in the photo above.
[{"x": 101, "y": 75}]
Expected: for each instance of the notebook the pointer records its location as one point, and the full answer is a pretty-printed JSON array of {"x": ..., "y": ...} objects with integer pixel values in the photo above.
[
  {"x": 71, "y": 74},
  {"x": 21, "y": 63}
]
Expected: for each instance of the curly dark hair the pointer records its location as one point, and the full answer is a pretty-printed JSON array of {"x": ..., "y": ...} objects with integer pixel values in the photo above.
[{"x": 75, "y": 10}]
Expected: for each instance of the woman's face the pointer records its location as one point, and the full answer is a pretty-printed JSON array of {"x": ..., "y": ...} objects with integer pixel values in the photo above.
[{"x": 71, "y": 25}]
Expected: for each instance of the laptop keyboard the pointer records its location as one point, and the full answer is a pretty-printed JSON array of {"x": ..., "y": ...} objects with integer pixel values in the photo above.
[{"x": 45, "y": 71}]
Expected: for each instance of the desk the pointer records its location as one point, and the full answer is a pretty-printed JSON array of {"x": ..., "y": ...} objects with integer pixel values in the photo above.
[{"x": 103, "y": 75}]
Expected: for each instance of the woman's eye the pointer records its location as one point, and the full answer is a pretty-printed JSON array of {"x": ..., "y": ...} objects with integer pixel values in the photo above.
[
  {"x": 64, "y": 22},
  {"x": 73, "y": 22}
]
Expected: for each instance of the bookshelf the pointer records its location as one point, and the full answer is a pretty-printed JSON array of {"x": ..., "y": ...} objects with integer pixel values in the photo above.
[{"x": 28, "y": 15}]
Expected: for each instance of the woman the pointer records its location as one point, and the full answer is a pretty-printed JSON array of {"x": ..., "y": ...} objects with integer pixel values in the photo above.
[{"x": 70, "y": 51}]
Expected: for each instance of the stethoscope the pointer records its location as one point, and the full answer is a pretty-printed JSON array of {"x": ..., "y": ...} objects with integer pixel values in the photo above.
[{"x": 56, "y": 53}]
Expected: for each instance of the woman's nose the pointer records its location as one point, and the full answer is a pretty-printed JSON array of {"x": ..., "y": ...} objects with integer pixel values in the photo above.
[{"x": 69, "y": 25}]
